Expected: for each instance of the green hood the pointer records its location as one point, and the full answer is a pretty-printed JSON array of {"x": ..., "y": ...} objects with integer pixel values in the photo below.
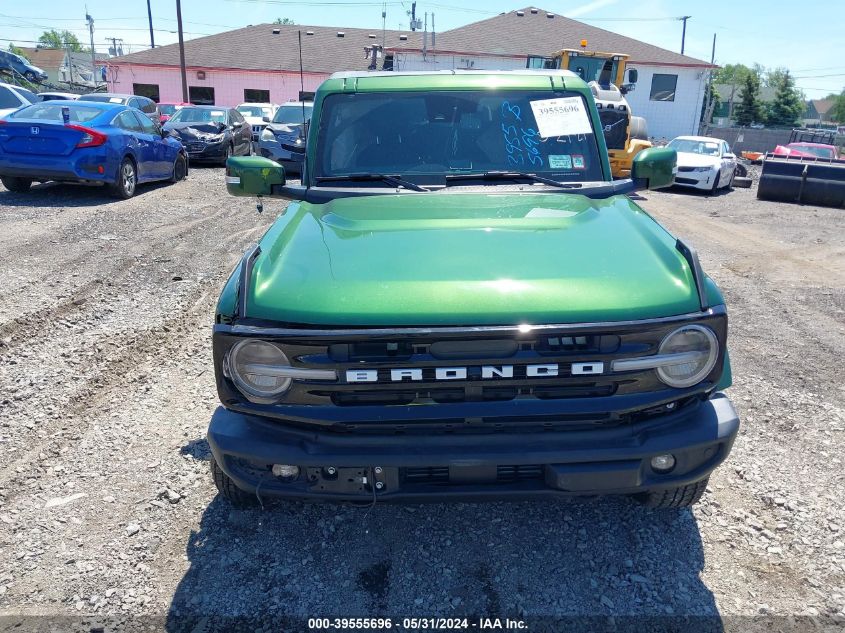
[{"x": 468, "y": 259}]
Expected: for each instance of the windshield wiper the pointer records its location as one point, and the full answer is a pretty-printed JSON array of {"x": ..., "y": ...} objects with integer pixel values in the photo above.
[
  {"x": 513, "y": 175},
  {"x": 396, "y": 181}
]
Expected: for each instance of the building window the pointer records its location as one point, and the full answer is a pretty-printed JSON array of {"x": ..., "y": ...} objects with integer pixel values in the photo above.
[
  {"x": 150, "y": 91},
  {"x": 663, "y": 87},
  {"x": 201, "y": 95},
  {"x": 542, "y": 62},
  {"x": 256, "y": 96}
]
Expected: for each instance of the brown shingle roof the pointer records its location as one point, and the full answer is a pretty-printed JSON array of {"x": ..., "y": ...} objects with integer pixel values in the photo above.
[
  {"x": 258, "y": 48},
  {"x": 822, "y": 105},
  {"x": 534, "y": 33},
  {"x": 45, "y": 58}
]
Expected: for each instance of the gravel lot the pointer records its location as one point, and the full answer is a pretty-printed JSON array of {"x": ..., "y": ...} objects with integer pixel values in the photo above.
[{"x": 107, "y": 509}]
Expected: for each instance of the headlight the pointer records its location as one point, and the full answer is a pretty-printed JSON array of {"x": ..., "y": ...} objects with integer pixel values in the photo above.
[
  {"x": 691, "y": 353},
  {"x": 703, "y": 169},
  {"x": 262, "y": 372},
  {"x": 252, "y": 364},
  {"x": 267, "y": 135}
]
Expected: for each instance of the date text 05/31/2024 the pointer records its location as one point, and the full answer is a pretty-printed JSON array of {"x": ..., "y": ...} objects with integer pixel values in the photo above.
[{"x": 416, "y": 624}]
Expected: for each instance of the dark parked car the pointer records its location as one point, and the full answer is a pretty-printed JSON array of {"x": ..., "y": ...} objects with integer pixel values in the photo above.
[
  {"x": 145, "y": 105},
  {"x": 91, "y": 143},
  {"x": 286, "y": 128},
  {"x": 16, "y": 63},
  {"x": 211, "y": 133}
]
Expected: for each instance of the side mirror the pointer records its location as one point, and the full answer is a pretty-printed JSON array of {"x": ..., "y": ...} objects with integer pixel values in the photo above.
[
  {"x": 730, "y": 155},
  {"x": 633, "y": 75},
  {"x": 654, "y": 168},
  {"x": 237, "y": 124},
  {"x": 253, "y": 176},
  {"x": 266, "y": 119}
]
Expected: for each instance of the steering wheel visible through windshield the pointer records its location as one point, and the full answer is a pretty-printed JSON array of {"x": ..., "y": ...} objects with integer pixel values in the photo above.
[{"x": 426, "y": 136}]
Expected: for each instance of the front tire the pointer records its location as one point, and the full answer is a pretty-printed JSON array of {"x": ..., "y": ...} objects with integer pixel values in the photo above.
[
  {"x": 127, "y": 180},
  {"x": 228, "y": 490},
  {"x": 681, "y": 497},
  {"x": 180, "y": 169},
  {"x": 30, "y": 76},
  {"x": 18, "y": 185}
]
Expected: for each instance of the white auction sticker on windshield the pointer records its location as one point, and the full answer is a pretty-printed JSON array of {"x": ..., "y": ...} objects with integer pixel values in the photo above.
[{"x": 561, "y": 117}]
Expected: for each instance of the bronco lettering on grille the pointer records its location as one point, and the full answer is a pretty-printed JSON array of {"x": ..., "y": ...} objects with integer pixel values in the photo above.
[{"x": 485, "y": 372}]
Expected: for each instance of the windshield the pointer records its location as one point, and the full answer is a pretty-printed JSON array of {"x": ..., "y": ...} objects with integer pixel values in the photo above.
[
  {"x": 255, "y": 111},
  {"x": 707, "y": 148},
  {"x": 168, "y": 108},
  {"x": 199, "y": 115},
  {"x": 104, "y": 98},
  {"x": 821, "y": 152},
  {"x": 441, "y": 133},
  {"x": 590, "y": 68},
  {"x": 292, "y": 114},
  {"x": 26, "y": 94},
  {"x": 52, "y": 111}
]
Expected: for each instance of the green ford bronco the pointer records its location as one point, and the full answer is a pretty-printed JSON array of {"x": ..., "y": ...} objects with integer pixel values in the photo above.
[{"x": 460, "y": 303}]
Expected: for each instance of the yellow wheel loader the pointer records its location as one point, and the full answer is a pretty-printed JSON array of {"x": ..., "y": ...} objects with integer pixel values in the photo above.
[{"x": 626, "y": 135}]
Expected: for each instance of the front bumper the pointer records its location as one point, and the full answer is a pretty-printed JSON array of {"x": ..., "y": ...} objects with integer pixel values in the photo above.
[
  {"x": 696, "y": 179},
  {"x": 202, "y": 151},
  {"x": 274, "y": 151},
  {"x": 473, "y": 466}
]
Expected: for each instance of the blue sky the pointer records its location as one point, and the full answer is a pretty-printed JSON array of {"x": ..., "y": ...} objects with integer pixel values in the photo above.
[{"x": 774, "y": 33}]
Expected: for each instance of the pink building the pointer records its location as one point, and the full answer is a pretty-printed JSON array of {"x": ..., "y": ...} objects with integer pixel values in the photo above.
[{"x": 255, "y": 63}]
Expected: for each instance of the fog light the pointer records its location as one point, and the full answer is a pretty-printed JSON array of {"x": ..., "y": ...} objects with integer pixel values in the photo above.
[
  {"x": 662, "y": 463},
  {"x": 285, "y": 471}
]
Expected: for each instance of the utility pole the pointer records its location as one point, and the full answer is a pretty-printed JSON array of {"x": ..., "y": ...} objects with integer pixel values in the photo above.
[
  {"x": 684, "y": 33},
  {"x": 69, "y": 63},
  {"x": 115, "y": 50},
  {"x": 182, "y": 52},
  {"x": 93, "y": 52},
  {"x": 150, "y": 16}
]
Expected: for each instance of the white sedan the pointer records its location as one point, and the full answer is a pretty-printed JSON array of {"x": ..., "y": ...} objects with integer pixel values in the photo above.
[{"x": 704, "y": 162}]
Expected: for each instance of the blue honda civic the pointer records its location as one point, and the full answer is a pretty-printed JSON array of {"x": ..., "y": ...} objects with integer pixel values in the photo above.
[{"x": 86, "y": 142}]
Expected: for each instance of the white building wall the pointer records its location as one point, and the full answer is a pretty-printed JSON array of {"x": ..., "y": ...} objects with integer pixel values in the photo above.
[{"x": 666, "y": 119}]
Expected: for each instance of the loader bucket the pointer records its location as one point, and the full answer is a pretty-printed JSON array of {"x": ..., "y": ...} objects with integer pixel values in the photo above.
[{"x": 804, "y": 180}]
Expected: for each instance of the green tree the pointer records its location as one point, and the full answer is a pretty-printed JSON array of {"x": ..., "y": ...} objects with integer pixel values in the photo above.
[
  {"x": 17, "y": 50},
  {"x": 750, "y": 108},
  {"x": 61, "y": 39},
  {"x": 735, "y": 73},
  {"x": 283, "y": 21},
  {"x": 788, "y": 105},
  {"x": 837, "y": 111}
]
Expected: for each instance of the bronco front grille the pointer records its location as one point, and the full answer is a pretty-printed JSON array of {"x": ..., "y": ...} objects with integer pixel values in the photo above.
[{"x": 467, "y": 380}]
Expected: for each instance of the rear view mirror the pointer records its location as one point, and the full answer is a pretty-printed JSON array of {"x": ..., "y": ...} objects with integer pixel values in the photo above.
[
  {"x": 253, "y": 176},
  {"x": 654, "y": 168}
]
